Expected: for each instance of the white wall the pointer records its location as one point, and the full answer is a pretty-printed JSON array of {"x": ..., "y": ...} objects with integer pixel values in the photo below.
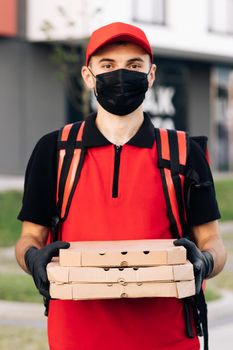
[
  {"x": 185, "y": 34},
  {"x": 79, "y": 19}
]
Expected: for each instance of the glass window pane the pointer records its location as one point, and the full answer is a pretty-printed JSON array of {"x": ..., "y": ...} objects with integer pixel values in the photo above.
[
  {"x": 220, "y": 16},
  {"x": 149, "y": 11}
]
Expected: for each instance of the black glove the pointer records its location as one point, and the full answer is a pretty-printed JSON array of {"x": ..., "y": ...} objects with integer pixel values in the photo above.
[
  {"x": 36, "y": 261},
  {"x": 202, "y": 261}
]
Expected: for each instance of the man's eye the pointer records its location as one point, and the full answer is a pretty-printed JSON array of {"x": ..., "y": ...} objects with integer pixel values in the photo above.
[
  {"x": 135, "y": 66},
  {"x": 107, "y": 66}
]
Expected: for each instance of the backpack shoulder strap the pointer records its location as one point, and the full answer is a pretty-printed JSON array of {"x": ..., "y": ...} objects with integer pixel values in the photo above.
[
  {"x": 70, "y": 160},
  {"x": 172, "y": 149},
  {"x": 70, "y": 157}
]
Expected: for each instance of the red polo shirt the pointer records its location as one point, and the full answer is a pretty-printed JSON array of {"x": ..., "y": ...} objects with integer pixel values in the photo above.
[{"x": 119, "y": 196}]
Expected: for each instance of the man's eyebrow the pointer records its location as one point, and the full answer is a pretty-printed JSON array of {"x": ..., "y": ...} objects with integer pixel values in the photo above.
[
  {"x": 135, "y": 59},
  {"x": 106, "y": 60}
]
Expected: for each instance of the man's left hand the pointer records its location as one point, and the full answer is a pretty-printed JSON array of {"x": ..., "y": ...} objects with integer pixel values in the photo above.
[{"x": 202, "y": 261}]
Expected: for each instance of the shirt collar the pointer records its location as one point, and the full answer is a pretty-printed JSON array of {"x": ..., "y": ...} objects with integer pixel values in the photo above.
[{"x": 144, "y": 137}]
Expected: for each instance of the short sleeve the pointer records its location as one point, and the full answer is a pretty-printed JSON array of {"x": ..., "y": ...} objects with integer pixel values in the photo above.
[
  {"x": 202, "y": 206},
  {"x": 39, "y": 198}
]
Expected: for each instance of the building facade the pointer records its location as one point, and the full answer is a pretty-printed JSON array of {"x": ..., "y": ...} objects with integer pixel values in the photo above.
[{"x": 193, "y": 48}]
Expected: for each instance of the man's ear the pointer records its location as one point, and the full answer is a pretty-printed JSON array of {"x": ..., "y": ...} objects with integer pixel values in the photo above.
[
  {"x": 151, "y": 75},
  {"x": 88, "y": 78}
]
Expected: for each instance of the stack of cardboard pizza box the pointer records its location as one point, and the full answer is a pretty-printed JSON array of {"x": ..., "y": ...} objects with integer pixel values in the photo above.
[{"x": 121, "y": 269}]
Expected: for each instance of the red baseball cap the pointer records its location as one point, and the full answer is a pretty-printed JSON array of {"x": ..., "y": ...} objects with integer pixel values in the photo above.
[{"x": 117, "y": 31}]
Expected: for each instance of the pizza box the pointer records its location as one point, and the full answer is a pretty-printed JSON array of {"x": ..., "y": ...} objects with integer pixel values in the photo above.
[
  {"x": 65, "y": 274},
  {"x": 90, "y": 291},
  {"x": 149, "y": 252}
]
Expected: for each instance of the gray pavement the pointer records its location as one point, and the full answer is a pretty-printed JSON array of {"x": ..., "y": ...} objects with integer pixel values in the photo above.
[
  {"x": 221, "y": 338},
  {"x": 23, "y": 314},
  {"x": 220, "y": 314},
  {"x": 8, "y": 182}
]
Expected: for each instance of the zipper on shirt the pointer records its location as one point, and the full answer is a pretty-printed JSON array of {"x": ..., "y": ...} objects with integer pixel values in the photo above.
[{"x": 116, "y": 171}]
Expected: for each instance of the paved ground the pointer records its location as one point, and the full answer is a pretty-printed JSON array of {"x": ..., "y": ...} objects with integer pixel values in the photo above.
[
  {"x": 221, "y": 322},
  {"x": 11, "y": 182},
  {"x": 25, "y": 314}
]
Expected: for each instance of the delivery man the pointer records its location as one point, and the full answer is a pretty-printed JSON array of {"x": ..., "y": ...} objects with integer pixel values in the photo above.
[{"x": 119, "y": 196}]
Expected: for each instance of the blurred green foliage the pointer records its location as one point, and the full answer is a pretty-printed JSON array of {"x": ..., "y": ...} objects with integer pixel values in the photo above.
[
  {"x": 10, "y": 227},
  {"x": 224, "y": 192},
  {"x": 18, "y": 287}
]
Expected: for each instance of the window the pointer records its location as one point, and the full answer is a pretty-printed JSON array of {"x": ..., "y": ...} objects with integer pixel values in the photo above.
[
  {"x": 220, "y": 16},
  {"x": 149, "y": 11},
  {"x": 222, "y": 117}
]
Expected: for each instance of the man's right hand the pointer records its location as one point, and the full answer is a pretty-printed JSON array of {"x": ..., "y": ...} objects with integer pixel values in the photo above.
[{"x": 36, "y": 261}]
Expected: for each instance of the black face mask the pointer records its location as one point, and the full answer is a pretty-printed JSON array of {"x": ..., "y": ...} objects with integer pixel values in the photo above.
[{"x": 121, "y": 91}]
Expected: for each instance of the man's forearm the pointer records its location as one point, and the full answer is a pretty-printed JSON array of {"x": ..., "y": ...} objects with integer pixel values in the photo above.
[
  {"x": 207, "y": 238},
  {"x": 216, "y": 248},
  {"x": 32, "y": 235},
  {"x": 23, "y": 244}
]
